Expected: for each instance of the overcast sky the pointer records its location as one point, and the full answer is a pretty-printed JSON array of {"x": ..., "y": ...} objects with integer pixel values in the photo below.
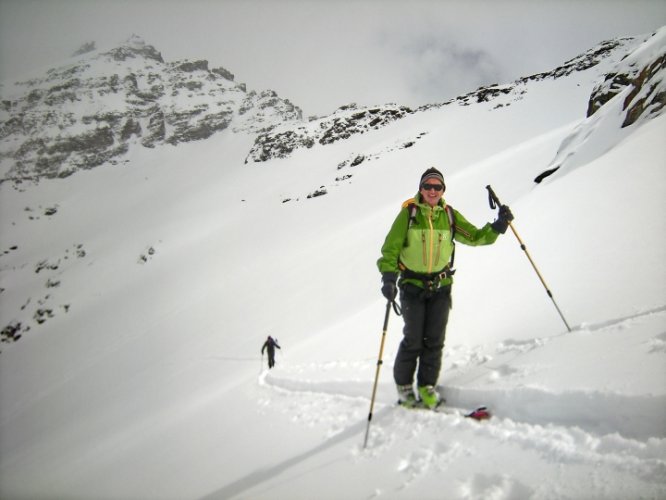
[{"x": 322, "y": 54}]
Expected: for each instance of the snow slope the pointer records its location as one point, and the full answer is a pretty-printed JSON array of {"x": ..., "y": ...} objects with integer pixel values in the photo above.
[{"x": 164, "y": 276}]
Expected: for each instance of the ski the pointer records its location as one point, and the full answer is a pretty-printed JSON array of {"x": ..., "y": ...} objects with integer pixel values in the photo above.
[{"x": 479, "y": 413}]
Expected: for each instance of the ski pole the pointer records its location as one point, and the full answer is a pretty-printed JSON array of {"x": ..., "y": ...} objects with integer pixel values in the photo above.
[
  {"x": 494, "y": 202},
  {"x": 379, "y": 364}
]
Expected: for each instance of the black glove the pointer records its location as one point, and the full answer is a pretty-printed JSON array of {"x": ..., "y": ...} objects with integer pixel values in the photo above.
[
  {"x": 503, "y": 218},
  {"x": 389, "y": 288}
]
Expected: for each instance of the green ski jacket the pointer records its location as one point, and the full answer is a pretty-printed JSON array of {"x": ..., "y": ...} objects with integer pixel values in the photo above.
[{"x": 425, "y": 247}]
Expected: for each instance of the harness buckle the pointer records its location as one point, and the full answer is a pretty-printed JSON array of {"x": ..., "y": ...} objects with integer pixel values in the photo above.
[{"x": 430, "y": 281}]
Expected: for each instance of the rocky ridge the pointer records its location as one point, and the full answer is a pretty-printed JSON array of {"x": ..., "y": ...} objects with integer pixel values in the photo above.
[
  {"x": 348, "y": 120},
  {"x": 634, "y": 92},
  {"x": 646, "y": 80},
  {"x": 91, "y": 111}
]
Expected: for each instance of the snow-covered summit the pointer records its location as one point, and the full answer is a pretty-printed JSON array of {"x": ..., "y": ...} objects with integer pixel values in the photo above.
[{"x": 96, "y": 107}]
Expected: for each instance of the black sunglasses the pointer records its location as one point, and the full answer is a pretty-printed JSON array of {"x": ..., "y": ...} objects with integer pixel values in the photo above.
[{"x": 428, "y": 187}]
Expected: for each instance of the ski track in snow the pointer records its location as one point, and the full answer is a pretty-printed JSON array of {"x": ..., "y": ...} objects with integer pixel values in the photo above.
[
  {"x": 339, "y": 406},
  {"x": 544, "y": 422},
  {"x": 616, "y": 321}
]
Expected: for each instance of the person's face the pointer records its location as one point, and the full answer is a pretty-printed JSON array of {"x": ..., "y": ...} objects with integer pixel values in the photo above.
[{"x": 432, "y": 191}]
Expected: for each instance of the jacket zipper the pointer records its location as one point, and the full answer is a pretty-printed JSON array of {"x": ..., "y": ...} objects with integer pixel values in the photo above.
[{"x": 423, "y": 245}]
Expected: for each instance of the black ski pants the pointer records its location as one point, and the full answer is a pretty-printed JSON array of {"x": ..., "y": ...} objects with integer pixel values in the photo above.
[
  {"x": 271, "y": 356},
  {"x": 425, "y": 317}
]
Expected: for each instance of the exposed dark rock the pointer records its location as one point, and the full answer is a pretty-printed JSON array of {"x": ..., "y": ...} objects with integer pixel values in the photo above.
[
  {"x": 135, "y": 48},
  {"x": 95, "y": 140},
  {"x": 203, "y": 129},
  {"x": 156, "y": 129},
  {"x": 191, "y": 66},
  {"x": 357, "y": 161},
  {"x": 42, "y": 314},
  {"x": 11, "y": 332},
  {"x": 224, "y": 73},
  {"x": 85, "y": 48},
  {"x": 131, "y": 127},
  {"x": 268, "y": 146},
  {"x": 545, "y": 173},
  {"x": 318, "y": 192},
  {"x": 645, "y": 94},
  {"x": 343, "y": 124}
]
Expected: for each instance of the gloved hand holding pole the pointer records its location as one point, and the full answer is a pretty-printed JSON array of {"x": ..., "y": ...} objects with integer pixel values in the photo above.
[{"x": 494, "y": 203}]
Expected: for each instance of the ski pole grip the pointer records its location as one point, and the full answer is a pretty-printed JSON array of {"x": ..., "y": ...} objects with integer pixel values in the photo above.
[{"x": 493, "y": 200}]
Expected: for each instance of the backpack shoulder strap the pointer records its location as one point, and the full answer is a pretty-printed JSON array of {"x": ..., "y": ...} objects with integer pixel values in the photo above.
[{"x": 412, "y": 208}]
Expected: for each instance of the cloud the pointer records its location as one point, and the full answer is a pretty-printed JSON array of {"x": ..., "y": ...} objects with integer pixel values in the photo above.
[
  {"x": 322, "y": 54},
  {"x": 437, "y": 69}
]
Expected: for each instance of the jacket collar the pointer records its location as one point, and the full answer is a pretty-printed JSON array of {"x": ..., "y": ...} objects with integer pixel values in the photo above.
[{"x": 440, "y": 205}]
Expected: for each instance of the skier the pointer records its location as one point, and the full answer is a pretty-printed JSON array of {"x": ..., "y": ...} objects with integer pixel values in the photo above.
[
  {"x": 270, "y": 344},
  {"x": 419, "y": 250}
]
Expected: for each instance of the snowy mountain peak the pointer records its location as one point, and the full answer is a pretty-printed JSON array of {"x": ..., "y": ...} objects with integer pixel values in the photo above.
[
  {"x": 95, "y": 108},
  {"x": 135, "y": 46}
]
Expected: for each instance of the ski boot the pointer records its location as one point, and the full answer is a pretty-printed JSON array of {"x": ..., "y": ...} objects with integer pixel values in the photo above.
[
  {"x": 406, "y": 396},
  {"x": 429, "y": 396}
]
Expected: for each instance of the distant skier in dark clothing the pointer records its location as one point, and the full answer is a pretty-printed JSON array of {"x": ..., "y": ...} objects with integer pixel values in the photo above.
[{"x": 271, "y": 344}]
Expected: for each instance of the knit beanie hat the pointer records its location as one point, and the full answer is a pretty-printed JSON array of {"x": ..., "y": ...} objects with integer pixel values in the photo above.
[{"x": 432, "y": 173}]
